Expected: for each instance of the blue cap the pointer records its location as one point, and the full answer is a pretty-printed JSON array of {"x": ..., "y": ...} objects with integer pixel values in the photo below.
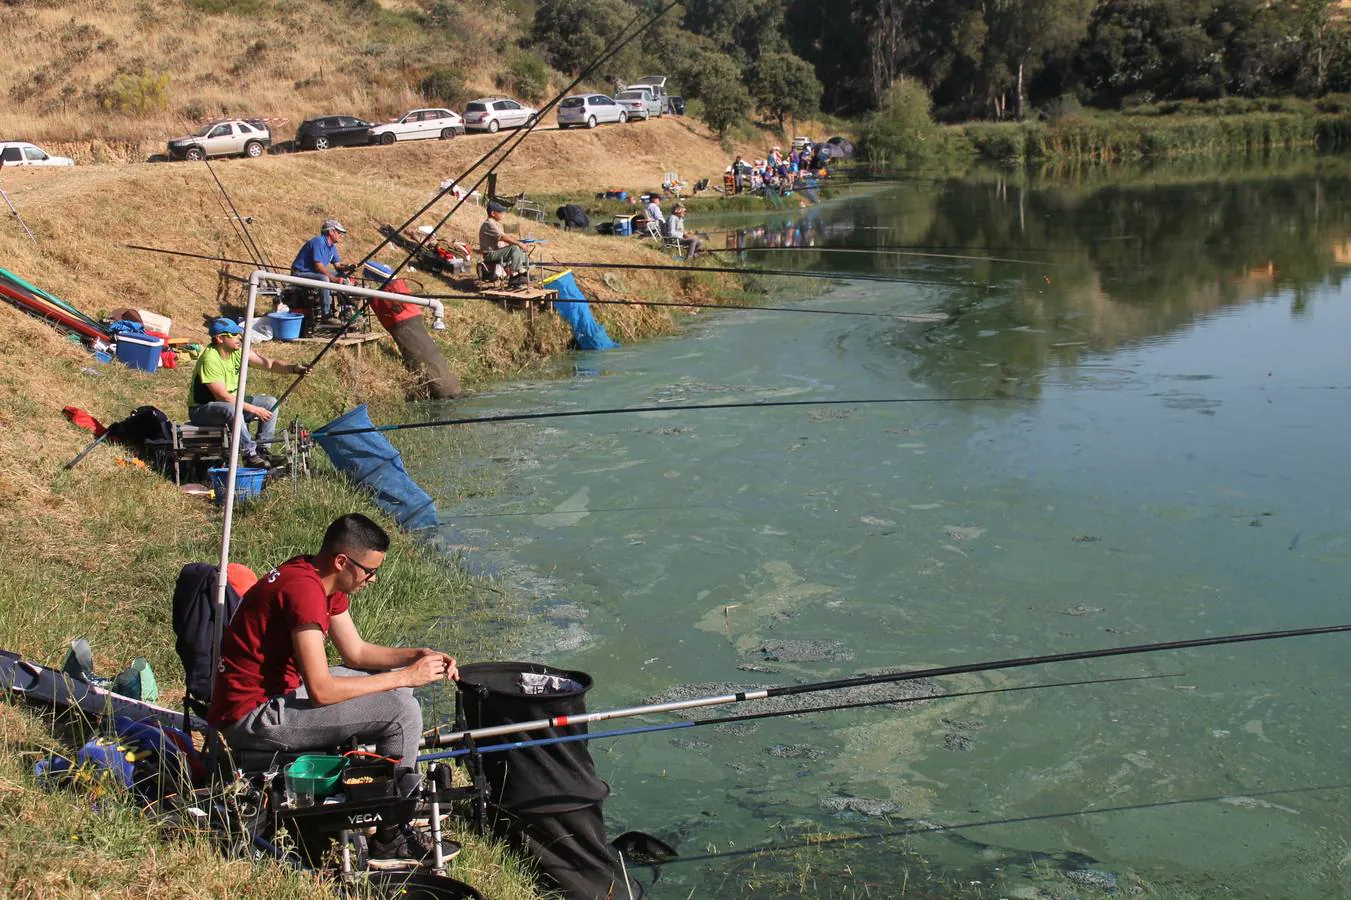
[{"x": 225, "y": 326}]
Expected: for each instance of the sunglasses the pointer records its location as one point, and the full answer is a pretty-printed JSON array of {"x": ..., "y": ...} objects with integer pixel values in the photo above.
[{"x": 370, "y": 573}]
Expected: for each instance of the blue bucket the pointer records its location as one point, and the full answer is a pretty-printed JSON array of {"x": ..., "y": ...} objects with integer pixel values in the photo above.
[
  {"x": 139, "y": 351},
  {"x": 248, "y": 483},
  {"x": 285, "y": 325}
]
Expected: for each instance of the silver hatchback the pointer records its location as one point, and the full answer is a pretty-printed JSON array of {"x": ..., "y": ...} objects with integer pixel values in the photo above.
[
  {"x": 639, "y": 103},
  {"x": 590, "y": 110}
]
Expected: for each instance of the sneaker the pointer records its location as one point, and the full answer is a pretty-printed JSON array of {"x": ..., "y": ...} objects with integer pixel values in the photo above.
[
  {"x": 404, "y": 847},
  {"x": 257, "y": 461}
]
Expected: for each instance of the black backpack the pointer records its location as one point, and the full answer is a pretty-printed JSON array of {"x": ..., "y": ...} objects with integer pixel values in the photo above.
[
  {"x": 194, "y": 626},
  {"x": 573, "y": 216}
]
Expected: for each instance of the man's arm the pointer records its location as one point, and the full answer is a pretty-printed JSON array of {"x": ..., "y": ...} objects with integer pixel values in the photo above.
[
  {"x": 218, "y": 392},
  {"x": 325, "y": 688},
  {"x": 274, "y": 365},
  {"x": 358, "y": 653}
]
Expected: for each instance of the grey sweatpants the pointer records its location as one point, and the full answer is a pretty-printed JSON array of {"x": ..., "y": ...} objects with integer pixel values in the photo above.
[{"x": 392, "y": 720}]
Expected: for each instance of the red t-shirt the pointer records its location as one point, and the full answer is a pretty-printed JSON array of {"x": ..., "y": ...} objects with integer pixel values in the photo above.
[{"x": 257, "y": 658}]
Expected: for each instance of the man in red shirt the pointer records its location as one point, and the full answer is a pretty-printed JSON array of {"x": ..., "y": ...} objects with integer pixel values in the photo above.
[{"x": 275, "y": 690}]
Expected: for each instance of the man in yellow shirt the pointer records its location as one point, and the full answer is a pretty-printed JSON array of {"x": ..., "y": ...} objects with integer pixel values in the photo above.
[{"x": 211, "y": 396}]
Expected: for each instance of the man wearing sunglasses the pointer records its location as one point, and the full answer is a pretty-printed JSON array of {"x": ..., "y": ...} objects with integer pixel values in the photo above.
[{"x": 275, "y": 690}]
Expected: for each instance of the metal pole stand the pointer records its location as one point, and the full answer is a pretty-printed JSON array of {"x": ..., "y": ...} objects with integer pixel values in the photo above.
[{"x": 15, "y": 213}]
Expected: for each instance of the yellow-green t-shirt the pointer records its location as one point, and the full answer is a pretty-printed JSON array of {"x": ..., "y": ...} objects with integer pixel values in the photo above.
[{"x": 211, "y": 368}]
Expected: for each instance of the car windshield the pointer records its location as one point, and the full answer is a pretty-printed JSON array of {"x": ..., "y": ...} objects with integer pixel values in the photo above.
[
  {"x": 204, "y": 130},
  {"x": 572, "y": 103}
]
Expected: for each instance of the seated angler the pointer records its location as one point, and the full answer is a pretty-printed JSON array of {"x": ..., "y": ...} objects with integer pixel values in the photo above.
[
  {"x": 496, "y": 246},
  {"x": 319, "y": 259},
  {"x": 275, "y": 691},
  {"x": 215, "y": 380}
]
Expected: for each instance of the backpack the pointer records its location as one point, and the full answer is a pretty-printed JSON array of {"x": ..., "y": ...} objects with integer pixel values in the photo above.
[
  {"x": 573, "y": 216},
  {"x": 195, "y": 629}
]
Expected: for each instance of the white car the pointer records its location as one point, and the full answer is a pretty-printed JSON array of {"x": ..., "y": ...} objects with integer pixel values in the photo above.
[
  {"x": 21, "y": 153},
  {"x": 639, "y": 102},
  {"x": 590, "y": 110},
  {"x": 493, "y": 113},
  {"x": 419, "y": 124}
]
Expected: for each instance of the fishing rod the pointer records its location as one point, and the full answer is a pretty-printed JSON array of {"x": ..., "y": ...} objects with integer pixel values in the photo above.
[
  {"x": 442, "y": 736},
  {"x": 524, "y": 417},
  {"x": 880, "y": 250},
  {"x": 806, "y": 273},
  {"x": 890, "y": 678},
  {"x": 606, "y": 54},
  {"x": 209, "y": 258},
  {"x": 904, "y": 317},
  {"x": 249, "y": 243}
]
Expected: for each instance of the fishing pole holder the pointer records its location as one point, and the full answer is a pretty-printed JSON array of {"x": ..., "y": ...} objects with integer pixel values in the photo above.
[{"x": 475, "y": 794}]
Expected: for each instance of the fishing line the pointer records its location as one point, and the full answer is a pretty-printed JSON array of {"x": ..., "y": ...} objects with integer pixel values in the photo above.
[
  {"x": 905, "y": 317},
  {"x": 759, "y": 404},
  {"x": 891, "y": 677},
  {"x": 834, "y": 276},
  {"x": 441, "y": 736}
]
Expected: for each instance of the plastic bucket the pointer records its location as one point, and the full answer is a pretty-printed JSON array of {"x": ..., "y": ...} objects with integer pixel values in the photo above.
[
  {"x": 285, "y": 326},
  {"x": 419, "y": 886},
  {"x": 248, "y": 483},
  {"x": 139, "y": 352},
  {"x": 624, "y": 227}
]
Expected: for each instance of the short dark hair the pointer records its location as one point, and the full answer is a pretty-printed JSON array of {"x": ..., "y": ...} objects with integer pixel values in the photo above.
[{"x": 354, "y": 532}]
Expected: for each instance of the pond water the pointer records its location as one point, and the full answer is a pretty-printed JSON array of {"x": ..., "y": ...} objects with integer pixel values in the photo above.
[{"x": 1135, "y": 430}]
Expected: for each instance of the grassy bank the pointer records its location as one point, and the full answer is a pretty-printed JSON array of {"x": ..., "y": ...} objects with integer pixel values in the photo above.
[{"x": 94, "y": 552}]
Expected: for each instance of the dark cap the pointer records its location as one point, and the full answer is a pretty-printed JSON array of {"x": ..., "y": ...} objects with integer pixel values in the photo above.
[{"x": 494, "y": 206}]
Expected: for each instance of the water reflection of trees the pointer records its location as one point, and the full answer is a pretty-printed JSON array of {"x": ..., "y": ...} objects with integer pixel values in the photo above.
[{"x": 1119, "y": 263}]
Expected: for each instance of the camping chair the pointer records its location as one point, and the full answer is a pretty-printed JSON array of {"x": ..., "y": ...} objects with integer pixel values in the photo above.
[
  {"x": 530, "y": 209},
  {"x": 652, "y": 228},
  {"x": 672, "y": 184},
  {"x": 700, "y": 185}
]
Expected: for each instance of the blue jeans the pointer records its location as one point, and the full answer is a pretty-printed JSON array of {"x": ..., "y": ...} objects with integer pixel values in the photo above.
[
  {"x": 325, "y": 295},
  {"x": 218, "y": 412}
]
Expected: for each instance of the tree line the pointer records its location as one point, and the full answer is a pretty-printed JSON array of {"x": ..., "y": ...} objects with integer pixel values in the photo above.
[{"x": 977, "y": 59}]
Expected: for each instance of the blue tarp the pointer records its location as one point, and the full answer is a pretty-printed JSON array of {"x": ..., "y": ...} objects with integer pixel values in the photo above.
[
  {"x": 371, "y": 461},
  {"x": 586, "y": 331}
]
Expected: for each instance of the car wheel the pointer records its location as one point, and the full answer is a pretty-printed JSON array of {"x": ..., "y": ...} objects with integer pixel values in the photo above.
[
  {"x": 591, "y": 122},
  {"x": 195, "y": 153},
  {"x": 530, "y": 122},
  {"x": 623, "y": 117},
  {"x": 387, "y": 138},
  {"x": 447, "y": 133},
  {"x": 493, "y": 126},
  {"x": 253, "y": 149},
  {"x": 322, "y": 143}
]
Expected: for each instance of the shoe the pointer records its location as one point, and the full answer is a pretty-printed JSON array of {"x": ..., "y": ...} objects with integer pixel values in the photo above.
[
  {"x": 257, "y": 461},
  {"x": 516, "y": 282},
  {"x": 404, "y": 847}
]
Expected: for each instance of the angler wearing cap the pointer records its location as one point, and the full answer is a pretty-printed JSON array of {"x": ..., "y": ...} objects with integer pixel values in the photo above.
[
  {"x": 499, "y": 247},
  {"x": 215, "y": 379},
  {"x": 319, "y": 259}
]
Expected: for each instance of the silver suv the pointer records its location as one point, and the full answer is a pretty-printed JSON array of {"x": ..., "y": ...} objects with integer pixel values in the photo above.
[{"x": 230, "y": 137}]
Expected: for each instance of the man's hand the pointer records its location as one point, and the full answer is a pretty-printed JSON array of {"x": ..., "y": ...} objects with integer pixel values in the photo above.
[
  {"x": 452, "y": 671},
  {"x": 426, "y": 670},
  {"x": 301, "y": 368},
  {"x": 262, "y": 412}
]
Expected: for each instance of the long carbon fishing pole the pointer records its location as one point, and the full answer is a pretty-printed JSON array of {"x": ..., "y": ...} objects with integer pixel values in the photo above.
[
  {"x": 881, "y": 250},
  {"x": 892, "y": 677},
  {"x": 249, "y": 243},
  {"x": 444, "y": 736},
  {"x": 734, "y": 270},
  {"x": 904, "y": 317},
  {"x": 526, "y": 417},
  {"x": 206, "y": 256},
  {"x": 619, "y": 43}
]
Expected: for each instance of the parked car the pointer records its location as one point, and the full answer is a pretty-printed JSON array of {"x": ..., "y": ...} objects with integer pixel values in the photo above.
[
  {"x": 639, "y": 102},
  {"x": 590, "y": 110},
  {"x": 418, "y": 124},
  {"x": 22, "y": 153},
  {"x": 675, "y": 106},
  {"x": 493, "y": 113},
  {"x": 323, "y": 132},
  {"x": 654, "y": 83},
  {"x": 223, "y": 137}
]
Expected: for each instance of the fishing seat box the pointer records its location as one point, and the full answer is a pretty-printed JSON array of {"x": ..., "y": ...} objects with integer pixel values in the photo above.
[{"x": 192, "y": 450}]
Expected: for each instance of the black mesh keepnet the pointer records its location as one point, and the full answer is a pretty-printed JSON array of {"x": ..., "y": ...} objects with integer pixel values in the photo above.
[{"x": 547, "y": 799}]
